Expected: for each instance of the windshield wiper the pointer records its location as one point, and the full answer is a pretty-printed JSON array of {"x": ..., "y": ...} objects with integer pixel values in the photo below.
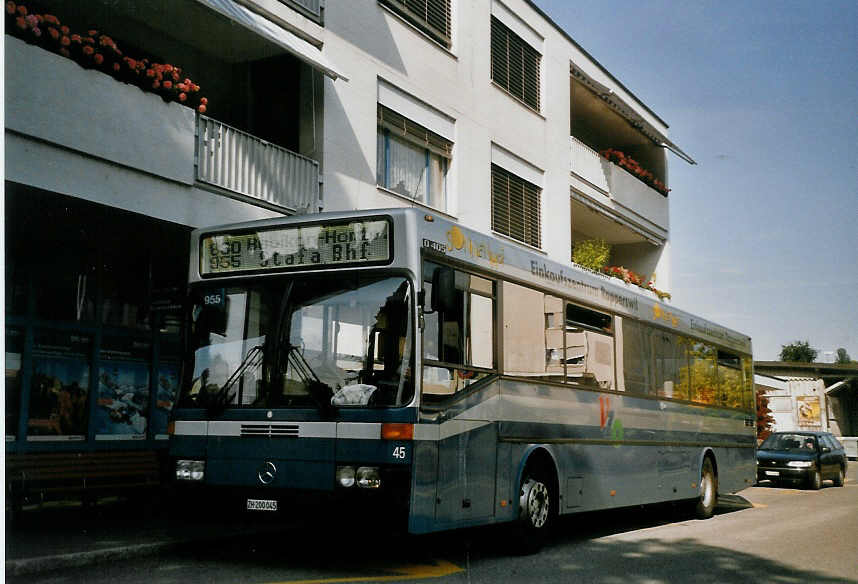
[
  {"x": 320, "y": 391},
  {"x": 223, "y": 397}
]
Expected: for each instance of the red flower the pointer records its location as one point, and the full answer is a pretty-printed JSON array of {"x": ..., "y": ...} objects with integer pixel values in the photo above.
[
  {"x": 21, "y": 23},
  {"x": 204, "y": 101},
  {"x": 10, "y": 8},
  {"x": 92, "y": 32},
  {"x": 168, "y": 84},
  {"x": 87, "y": 50},
  {"x": 150, "y": 72},
  {"x": 55, "y": 34},
  {"x": 65, "y": 52},
  {"x": 116, "y": 67},
  {"x": 98, "y": 58},
  {"x": 75, "y": 38},
  {"x": 156, "y": 84},
  {"x": 51, "y": 19},
  {"x": 22, "y": 10},
  {"x": 202, "y": 109},
  {"x": 64, "y": 29},
  {"x": 182, "y": 97},
  {"x": 37, "y": 31}
]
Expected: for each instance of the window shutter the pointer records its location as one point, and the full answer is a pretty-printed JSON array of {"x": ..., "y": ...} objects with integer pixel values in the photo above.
[
  {"x": 516, "y": 207},
  {"x": 414, "y": 132},
  {"x": 515, "y": 64},
  {"x": 430, "y": 16}
]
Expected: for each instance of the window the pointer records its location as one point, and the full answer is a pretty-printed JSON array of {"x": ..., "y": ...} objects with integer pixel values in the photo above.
[
  {"x": 589, "y": 347},
  {"x": 430, "y": 16},
  {"x": 515, "y": 64},
  {"x": 516, "y": 206},
  {"x": 458, "y": 345},
  {"x": 412, "y": 161},
  {"x": 533, "y": 334}
]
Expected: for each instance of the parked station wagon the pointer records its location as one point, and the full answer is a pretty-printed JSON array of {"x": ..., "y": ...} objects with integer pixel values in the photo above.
[{"x": 806, "y": 458}]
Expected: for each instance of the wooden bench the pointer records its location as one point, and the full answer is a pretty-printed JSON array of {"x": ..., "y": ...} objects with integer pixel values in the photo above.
[{"x": 36, "y": 477}]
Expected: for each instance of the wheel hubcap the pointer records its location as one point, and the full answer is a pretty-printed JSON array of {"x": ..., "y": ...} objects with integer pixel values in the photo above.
[{"x": 535, "y": 503}]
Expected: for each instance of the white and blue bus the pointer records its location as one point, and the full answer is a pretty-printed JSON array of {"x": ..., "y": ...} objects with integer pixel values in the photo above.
[{"x": 394, "y": 356}]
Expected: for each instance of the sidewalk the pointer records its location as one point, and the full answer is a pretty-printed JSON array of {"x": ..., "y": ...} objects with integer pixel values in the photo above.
[{"x": 65, "y": 535}]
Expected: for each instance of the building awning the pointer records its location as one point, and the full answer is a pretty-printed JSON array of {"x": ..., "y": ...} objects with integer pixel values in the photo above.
[
  {"x": 771, "y": 382},
  {"x": 619, "y": 105},
  {"x": 276, "y": 34},
  {"x": 837, "y": 387}
]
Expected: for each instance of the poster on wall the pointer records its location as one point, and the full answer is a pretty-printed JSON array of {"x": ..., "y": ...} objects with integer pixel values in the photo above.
[
  {"x": 122, "y": 409},
  {"x": 59, "y": 387},
  {"x": 123, "y": 401},
  {"x": 166, "y": 389},
  {"x": 14, "y": 342},
  {"x": 807, "y": 407}
]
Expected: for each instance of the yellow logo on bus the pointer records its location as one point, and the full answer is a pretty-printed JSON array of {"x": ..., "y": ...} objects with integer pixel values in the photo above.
[{"x": 456, "y": 240}]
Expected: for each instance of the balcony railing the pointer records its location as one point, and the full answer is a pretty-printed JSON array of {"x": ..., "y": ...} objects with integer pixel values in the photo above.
[
  {"x": 628, "y": 196},
  {"x": 240, "y": 162},
  {"x": 587, "y": 164}
]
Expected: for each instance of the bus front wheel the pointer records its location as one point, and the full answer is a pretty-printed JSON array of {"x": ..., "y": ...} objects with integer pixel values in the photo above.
[
  {"x": 708, "y": 497},
  {"x": 536, "y": 511}
]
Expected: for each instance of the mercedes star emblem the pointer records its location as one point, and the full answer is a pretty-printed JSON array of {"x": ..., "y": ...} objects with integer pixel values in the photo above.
[{"x": 266, "y": 473}]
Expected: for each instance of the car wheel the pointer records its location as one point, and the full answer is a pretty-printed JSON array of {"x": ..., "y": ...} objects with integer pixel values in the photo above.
[
  {"x": 839, "y": 479},
  {"x": 708, "y": 497},
  {"x": 815, "y": 481}
]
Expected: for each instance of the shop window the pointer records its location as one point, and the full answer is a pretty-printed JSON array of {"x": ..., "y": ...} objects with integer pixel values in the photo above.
[
  {"x": 167, "y": 383},
  {"x": 59, "y": 386},
  {"x": 125, "y": 287},
  {"x": 123, "y": 389},
  {"x": 14, "y": 350},
  {"x": 65, "y": 286},
  {"x": 16, "y": 288},
  {"x": 458, "y": 344}
]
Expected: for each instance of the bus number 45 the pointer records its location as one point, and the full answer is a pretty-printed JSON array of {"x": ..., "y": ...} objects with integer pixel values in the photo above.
[{"x": 399, "y": 452}]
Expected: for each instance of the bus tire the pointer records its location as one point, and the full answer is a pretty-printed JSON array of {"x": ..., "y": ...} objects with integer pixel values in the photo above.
[
  {"x": 839, "y": 478},
  {"x": 537, "y": 506},
  {"x": 708, "y": 497}
]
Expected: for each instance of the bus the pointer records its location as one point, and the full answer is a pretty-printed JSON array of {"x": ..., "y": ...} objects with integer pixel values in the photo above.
[{"x": 395, "y": 358}]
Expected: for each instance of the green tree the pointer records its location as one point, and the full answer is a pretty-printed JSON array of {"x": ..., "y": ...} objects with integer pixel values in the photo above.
[
  {"x": 798, "y": 351},
  {"x": 764, "y": 417},
  {"x": 842, "y": 357}
]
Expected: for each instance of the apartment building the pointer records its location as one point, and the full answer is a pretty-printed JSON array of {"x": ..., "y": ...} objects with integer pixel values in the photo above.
[{"x": 130, "y": 123}]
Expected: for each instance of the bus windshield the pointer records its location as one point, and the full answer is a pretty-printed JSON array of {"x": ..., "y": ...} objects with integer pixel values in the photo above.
[{"x": 301, "y": 342}]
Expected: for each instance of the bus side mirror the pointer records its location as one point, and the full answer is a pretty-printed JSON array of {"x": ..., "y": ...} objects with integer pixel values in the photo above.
[{"x": 443, "y": 289}]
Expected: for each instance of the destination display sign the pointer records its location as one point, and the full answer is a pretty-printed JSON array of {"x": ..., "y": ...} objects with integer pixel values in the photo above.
[{"x": 327, "y": 245}]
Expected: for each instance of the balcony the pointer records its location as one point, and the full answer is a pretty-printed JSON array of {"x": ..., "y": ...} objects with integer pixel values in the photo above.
[
  {"x": 53, "y": 101},
  {"x": 623, "y": 209}
]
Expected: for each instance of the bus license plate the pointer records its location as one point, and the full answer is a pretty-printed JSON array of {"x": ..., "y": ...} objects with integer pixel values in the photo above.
[
  {"x": 261, "y": 505},
  {"x": 773, "y": 473}
]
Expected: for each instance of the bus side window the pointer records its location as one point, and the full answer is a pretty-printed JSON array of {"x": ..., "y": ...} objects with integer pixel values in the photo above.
[
  {"x": 457, "y": 337},
  {"x": 589, "y": 347}
]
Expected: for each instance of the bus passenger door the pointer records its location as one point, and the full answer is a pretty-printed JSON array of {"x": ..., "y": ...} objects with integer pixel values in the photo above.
[{"x": 466, "y": 471}]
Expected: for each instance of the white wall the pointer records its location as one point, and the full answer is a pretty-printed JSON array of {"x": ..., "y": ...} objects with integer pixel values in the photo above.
[{"x": 369, "y": 42}]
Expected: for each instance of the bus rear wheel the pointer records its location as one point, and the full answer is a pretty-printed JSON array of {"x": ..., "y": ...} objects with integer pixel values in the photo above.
[{"x": 708, "y": 497}]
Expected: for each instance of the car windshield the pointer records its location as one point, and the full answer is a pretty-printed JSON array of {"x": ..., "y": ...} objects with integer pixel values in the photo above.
[
  {"x": 301, "y": 342},
  {"x": 800, "y": 442}
]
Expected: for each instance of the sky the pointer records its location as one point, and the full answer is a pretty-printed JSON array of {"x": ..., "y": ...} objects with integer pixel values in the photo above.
[{"x": 764, "y": 96}]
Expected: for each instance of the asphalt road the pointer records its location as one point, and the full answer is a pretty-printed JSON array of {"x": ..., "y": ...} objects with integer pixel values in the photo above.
[{"x": 761, "y": 535}]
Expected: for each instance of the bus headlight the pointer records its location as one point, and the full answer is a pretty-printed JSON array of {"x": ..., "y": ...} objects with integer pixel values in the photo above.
[
  {"x": 345, "y": 476},
  {"x": 800, "y": 463},
  {"x": 368, "y": 477},
  {"x": 190, "y": 470}
]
